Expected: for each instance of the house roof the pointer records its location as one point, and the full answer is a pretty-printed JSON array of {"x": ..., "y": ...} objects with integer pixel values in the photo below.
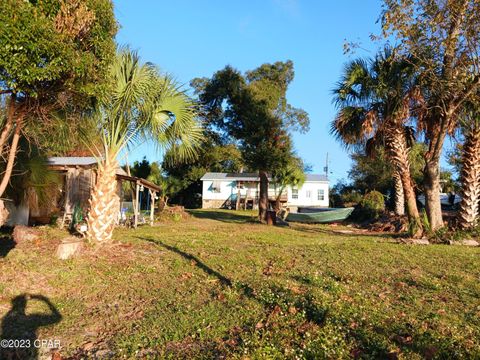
[
  {"x": 231, "y": 176},
  {"x": 254, "y": 177},
  {"x": 316, "y": 177}
]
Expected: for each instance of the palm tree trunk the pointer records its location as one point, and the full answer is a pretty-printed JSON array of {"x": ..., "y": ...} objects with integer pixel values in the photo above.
[
  {"x": 263, "y": 201},
  {"x": 399, "y": 196},
  {"x": 435, "y": 137},
  {"x": 398, "y": 152},
  {"x": 431, "y": 184},
  {"x": 469, "y": 211},
  {"x": 104, "y": 203}
]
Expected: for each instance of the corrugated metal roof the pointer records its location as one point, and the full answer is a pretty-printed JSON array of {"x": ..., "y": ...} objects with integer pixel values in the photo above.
[
  {"x": 231, "y": 176},
  {"x": 120, "y": 171},
  {"x": 253, "y": 177},
  {"x": 78, "y": 161},
  {"x": 72, "y": 160}
]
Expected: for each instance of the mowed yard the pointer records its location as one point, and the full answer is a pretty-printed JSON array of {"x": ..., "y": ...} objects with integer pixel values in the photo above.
[{"x": 219, "y": 285}]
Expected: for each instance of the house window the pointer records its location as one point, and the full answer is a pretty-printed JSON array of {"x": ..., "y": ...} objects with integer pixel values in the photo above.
[
  {"x": 294, "y": 193},
  {"x": 321, "y": 194},
  {"x": 309, "y": 194},
  {"x": 216, "y": 186}
]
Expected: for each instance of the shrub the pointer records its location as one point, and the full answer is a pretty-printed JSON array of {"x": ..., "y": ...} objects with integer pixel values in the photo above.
[
  {"x": 372, "y": 204},
  {"x": 351, "y": 198}
]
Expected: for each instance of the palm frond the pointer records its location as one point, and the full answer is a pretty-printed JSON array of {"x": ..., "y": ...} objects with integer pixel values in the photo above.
[
  {"x": 146, "y": 105},
  {"x": 370, "y": 95}
]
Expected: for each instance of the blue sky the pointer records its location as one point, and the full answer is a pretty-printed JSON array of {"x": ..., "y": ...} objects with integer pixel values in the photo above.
[{"x": 195, "y": 38}]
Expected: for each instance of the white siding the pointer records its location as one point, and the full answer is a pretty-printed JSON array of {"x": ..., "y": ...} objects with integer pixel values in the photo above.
[
  {"x": 229, "y": 188},
  {"x": 309, "y": 187}
]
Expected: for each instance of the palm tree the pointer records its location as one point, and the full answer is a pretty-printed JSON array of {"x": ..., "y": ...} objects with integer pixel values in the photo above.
[
  {"x": 470, "y": 173},
  {"x": 142, "y": 105},
  {"x": 374, "y": 98}
]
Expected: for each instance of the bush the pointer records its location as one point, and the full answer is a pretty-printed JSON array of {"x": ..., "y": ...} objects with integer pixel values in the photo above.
[
  {"x": 351, "y": 198},
  {"x": 372, "y": 205}
]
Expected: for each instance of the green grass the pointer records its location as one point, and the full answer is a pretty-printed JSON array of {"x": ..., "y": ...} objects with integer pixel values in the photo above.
[{"x": 220, "y": 285}]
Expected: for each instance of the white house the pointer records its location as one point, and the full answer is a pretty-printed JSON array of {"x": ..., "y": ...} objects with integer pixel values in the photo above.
[{"x": 223, "y": 190}]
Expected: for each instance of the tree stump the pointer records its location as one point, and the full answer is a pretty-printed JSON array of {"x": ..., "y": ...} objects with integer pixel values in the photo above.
[{"x": 69, "y": 247}]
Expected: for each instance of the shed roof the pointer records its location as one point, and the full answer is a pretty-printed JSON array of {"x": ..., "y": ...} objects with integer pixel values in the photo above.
[
  {"x": 72, "y": 160},
  {"x": 140, "y": 181},
  {"x": 254, "y": 177},
  {"x": 78, "y": 161}
]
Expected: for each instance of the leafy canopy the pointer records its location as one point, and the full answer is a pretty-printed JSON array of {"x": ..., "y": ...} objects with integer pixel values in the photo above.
[
  {"x": 252, "y": 108},
  {"x": 53, "y": 45},
  {"x": 443, "y": 38}
]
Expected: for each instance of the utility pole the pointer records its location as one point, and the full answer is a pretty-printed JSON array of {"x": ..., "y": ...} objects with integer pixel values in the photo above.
[{"x": 326, "y": 167}]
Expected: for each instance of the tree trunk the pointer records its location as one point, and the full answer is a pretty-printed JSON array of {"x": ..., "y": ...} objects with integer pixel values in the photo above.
[
  {"x": 263, "y": 201},
  {"x": 398, "y": 153},
  {"x": 399, "y": 196},
  {"x": 104, "y": 203},
  {"x": 435, "y": 136},
  {"x": 8, "y": 124},
  {"x": 278, "y": 203},
  {"x": 14, "y": 119},
  {"x": 432, "y": 194},
  {"x": 468, "y": 214},
  {"x": 11, "y": 157},
  {"x": 11, "y": 120}
]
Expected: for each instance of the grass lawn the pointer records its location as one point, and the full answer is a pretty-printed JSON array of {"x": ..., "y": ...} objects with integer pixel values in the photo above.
[{"x": 219, "y": 285}]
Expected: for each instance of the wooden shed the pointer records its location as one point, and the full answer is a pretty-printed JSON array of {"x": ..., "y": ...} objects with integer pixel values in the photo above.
[{"x": 77, "y": 176}]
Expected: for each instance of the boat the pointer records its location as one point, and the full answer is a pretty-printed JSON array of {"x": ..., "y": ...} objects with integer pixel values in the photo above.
[{"x": 312, "y": 215}]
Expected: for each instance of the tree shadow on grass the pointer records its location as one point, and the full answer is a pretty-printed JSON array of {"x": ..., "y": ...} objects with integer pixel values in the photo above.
[
  {"x": 198, "y": 263},
  {"x": 20, "y": 329},
  {"x": 224, "y": 216},
  {"x": 6, "y": 241},
  {"x": 369, "y": 342},
  {"x": 275, "y": 299},
  {"x": 269, "y": 297}
]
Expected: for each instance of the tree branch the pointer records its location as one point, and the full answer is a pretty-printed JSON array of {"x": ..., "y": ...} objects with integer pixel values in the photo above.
[{"x": 461, "y": 99}]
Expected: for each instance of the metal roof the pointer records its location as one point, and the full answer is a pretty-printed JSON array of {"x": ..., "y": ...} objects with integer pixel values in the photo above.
[
  {"x": 120, "y": 171},
  {"x": 254, "y": 177},
  {"x": 79, "y": 161},
  {"x": 144, "y": 182},
  {"x": 72, "y": 160},
  {"x": 316, "y": 177},
  {"x": 231, "y": 176}
]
